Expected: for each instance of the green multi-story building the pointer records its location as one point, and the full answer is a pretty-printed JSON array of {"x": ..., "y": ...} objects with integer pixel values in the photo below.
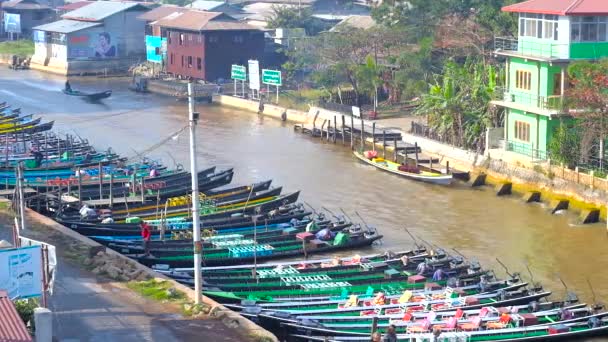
[{"x": 552, "y": 34}]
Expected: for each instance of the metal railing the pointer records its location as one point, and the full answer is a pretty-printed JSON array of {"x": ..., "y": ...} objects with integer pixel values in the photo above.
[
  {"x": 552, "y": 102},
  {"x": 525, "y": 149},
  {"x": 532, "y": 48}
]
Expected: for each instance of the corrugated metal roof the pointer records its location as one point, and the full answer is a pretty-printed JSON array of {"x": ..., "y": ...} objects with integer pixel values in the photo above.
[
  {"x": 12, "y": 328},
  {"x": 560, "y": 7},
  {"x": 206, "y": 5},
  {"x": 74, "y": 5},
  {"x": 100, "y": 10},
  {"x": 66, "y": 26},
  {"x": 363, "y": 22},
  {"x": 161, "y": 12},
  {"x": 24, "y": 5},
  {"x": 195, "y": 20}
]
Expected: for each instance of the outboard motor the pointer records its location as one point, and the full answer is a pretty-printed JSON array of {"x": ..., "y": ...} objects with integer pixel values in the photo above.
[{"x": 533, "y": 306}]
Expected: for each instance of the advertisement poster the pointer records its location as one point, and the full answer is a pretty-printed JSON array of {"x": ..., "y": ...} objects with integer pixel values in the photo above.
[
  {"x": 39, "y": 36},
  {"x": 156, "y": 47},
  {"x": 12, "y": 22},
  {"x": 254, "y": 75},
  {"x": 21, "y": 272},
  {"x": 51, "y": 259},
  {"x": 91, "y": 45}
]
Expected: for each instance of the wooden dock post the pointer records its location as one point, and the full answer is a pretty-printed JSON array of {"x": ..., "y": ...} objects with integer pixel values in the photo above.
[
  {"x": 322, "y": 128},
  {"x": 362, "y": 135},
  {"x": 335, "y": 128},
  {"x": 416, "y": 152},
  {"x": 343, "y": 132},
  {"x": 447, "y": 167},
  {"x": 373, "y": 136},
  {"x": 352, "y": 129},
  {"x": 79, "y": 187},
  {"x": 328, "y": 129},
  {"x": 111, "y": 190},
  {"x": 384, "y": 144},
  {"x": 395, "y": 149},
  {"x": 100, "y": 175},
  {"x": 143, "y": 185}
]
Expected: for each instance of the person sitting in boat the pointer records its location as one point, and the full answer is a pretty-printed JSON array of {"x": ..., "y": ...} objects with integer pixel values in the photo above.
[
  {"x": 153, "y": 173},
  {"x": 325, "y": 234},
  {"x": 107, "y": 220},
  {"x": 333, "y": 263},
  {"x": 68, "y": 87},
  {"x": 37, "y": 157},
  {"x": 438, "y": 275},
  {"x": 379, "y": 299},
  {"x": 421, "y": 268}
]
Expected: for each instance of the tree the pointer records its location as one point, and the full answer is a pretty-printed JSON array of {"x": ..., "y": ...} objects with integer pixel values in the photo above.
[
  {"x": 588, "y": 103},
  {"x": 565, "y": 145},
  {"x": 370, "y": 80},
  {"x": 293, "y": 17},
  {"x": 457, "y": 105}
]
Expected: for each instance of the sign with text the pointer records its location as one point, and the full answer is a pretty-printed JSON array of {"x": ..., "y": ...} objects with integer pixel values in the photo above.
[
  {"x": 254, "y": 75},
  {"x": 271, "y": 77},
  {"x": 12, "y": 22},
  {"x": 21, "y": 272},
  {"x": 51, "y": 258},
  {"x": 238, "y": 72}
]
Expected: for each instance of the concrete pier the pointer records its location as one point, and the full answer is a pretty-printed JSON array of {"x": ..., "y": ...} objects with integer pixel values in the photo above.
[
  {"x": 532, "y": 196},
  {"x": 479, "y": 180},
  {"x": 591, "y": 215},
  {"x": 559, "y": 204},
  {"x": 504, "y": 189}
]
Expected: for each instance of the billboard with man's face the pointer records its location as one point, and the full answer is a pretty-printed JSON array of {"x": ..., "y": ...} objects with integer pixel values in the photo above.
[
  {"x": 12, "y": 22},
  {"x": 91, "y": 45}
]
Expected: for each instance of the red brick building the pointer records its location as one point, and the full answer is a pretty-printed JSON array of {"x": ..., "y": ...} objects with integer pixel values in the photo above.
[{"x": 204, "y": 45}]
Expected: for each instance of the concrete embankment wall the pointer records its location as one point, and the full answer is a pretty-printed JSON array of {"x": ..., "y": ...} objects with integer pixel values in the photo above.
[
  {"x": 86, "y": 67},
  {"x": 217, "y": 311},
  {"x": 582, "y": 190}
]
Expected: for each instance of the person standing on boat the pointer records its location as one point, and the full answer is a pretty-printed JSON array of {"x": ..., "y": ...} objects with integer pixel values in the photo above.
[
  {"x": 146, "y": 234},
  {"x": 37, "y": 158},
  {"x": 68, "y": 87},
  {"x": 391, "y": 334}
]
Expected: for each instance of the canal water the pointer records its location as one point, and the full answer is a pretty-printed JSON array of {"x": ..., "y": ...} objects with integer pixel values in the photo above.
[{"x": 474, "y": 221}]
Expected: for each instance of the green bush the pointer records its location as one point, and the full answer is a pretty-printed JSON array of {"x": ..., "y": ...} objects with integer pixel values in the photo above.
[
  {"x": 22, "y": 48},
  {"x": 25, "y": 308}
]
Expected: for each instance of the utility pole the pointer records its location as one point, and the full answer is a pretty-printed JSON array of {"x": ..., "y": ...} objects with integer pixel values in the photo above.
[
  {"x": 196, "y": 229},
  {"x": 21, "y": 195}
]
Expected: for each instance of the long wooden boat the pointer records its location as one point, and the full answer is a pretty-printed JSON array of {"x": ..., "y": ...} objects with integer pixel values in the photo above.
[
  {"x": 544, "y": 312},
  {"x": 237, "y": 256},
  {"x": 218, "y": 224},
  {"x": 88, "y": 96},
  {"x": 263, "y": 230},
  {"x": 567, "y": 330},
  {"x": 219, "y": 242},
  {"x": 419, "y": 174}
]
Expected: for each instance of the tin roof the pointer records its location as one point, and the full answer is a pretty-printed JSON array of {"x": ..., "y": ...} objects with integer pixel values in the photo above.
[
  {"x": 12, "y": 328},
  {"x": 99, "y": 10},
  {"x": 74, "y": 5},
  {"x": 207, "y": 5},
  {"x": 362, "y": 22},
  {"x": 24, "y": 5},
  {"x": 66, "y": 26},
  {"x": 560, "y": 7},
  {"x": 161, "y": 12},
  {"x": 195, "y": 20}
]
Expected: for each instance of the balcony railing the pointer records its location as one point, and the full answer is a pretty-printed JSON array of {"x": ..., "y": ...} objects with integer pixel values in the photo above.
[
  {"x": 532, "y": 47},
  {"x": 550, "y": 103},
  {"x": 525, "y": 149}
]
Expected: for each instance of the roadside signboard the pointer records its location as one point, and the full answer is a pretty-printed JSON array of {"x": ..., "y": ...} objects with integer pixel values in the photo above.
[
  {"x": 238, "y": 73},
  {"x": 21, "y": 272},
  {"x": 271, "y": 77},
  {"x": 356, "y": 112},
  {"x": 254, "y": 75}
]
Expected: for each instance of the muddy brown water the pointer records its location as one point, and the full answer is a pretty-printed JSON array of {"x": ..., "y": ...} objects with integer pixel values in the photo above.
[{"x": 474, "y": 221}]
